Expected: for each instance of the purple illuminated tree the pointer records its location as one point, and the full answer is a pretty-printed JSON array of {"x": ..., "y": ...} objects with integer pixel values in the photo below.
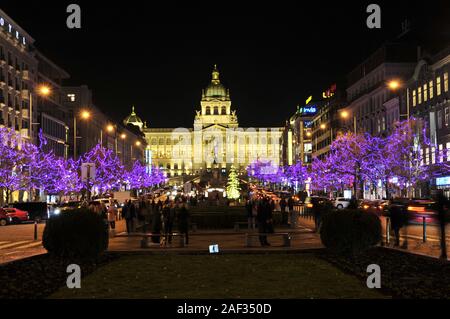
[
  {"x": 348, "y": 153},
  {"x": 138, "y": 177},
  {"x": 297, "y": 174},
  {"x": 11, "y": 163},
  {"x": 109, "y": 171},
  {"x": 409, "y": 152}
]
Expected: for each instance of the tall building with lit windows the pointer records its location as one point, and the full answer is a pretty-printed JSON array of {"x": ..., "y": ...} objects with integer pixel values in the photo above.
[
  {"x": 18, "y": 76},
  {"x": 427, "y": 96},
  {"x": 215, "y": 141}
]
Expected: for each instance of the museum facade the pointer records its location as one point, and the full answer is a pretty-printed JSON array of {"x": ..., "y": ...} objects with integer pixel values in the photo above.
[{"x": 215, "y": 141}]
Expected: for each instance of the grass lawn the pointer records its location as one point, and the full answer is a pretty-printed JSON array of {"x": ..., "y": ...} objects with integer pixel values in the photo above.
[{"x": 219, "y": 276}]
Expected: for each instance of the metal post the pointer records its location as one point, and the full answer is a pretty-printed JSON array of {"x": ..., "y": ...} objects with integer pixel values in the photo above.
[
  {"x": 74, "y": 137},
  {"x": 35, "y": 230},
  {"x": 424, "y": 229},
  {"x": 388, "y": 230}
]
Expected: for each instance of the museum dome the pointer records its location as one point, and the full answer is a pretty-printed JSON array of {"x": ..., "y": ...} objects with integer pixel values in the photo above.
[
  {"x": 215, "y": 89},
  {"x": 133, "y": 119}
]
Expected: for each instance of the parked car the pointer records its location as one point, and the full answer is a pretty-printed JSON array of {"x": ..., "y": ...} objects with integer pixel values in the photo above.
[
  {"x": 341, "y": 202},
  {"x": 17, "y": 215},
  {"x": 4, "y": 218},
  {"x": 36, "y": 210}
]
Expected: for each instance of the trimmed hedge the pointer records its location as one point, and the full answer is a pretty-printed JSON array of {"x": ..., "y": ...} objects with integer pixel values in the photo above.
[
  {"x": 77, "y": 233},
  {"x": 350, "y": 231}
]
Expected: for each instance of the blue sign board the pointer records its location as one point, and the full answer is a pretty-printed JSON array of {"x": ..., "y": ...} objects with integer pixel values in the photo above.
[
  {"x": 309, "y": 110},
  {"x": 443, "y": 181}
]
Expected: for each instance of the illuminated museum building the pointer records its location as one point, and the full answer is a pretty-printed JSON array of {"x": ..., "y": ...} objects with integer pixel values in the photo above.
[{"x": 216, "y": 140}]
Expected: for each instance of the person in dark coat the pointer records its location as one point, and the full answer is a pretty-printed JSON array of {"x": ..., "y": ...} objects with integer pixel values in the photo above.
[
  {"x": 442, "y": 206},
  {"x": 397, "y": 216},
  {"x": 292, "y": 212},
  {"x": 250, "y": 217},
  {"x": 263, "y": 219},
  {"x": 130, "y": 215},
  {"x": 183, "y": 221},
  {"x": 284, "y": 213},
  {"x": 156, "y": 224},
  {"x": 168, "y": 213},
  {"x": 125, "y": 213}
]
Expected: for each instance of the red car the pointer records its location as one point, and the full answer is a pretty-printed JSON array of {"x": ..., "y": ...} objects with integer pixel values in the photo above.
[
  {"x": 4, "y": 218},
  {"x": 17, "y": 215}
]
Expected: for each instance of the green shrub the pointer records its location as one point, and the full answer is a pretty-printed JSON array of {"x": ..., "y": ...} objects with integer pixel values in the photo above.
[
  {"x": 350, "y": 231},
  {"x": 77, "y": 233}
]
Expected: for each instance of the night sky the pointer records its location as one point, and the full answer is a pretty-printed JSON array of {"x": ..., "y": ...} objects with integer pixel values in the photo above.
[{"x": 271, "y": 57}]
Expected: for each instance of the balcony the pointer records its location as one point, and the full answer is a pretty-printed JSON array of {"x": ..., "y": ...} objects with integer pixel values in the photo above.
[
  {"x": 25, "y": 133},
  {"x": 25, "y": 113},
  {"x": 25, "y": 95},
  {"x": 26, "y": 74}
]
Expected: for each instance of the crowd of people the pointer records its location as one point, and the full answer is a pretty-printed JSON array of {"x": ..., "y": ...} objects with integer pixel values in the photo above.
[
  {"x": 259, "y": 209},
  {"x": 148, "y": 214}
]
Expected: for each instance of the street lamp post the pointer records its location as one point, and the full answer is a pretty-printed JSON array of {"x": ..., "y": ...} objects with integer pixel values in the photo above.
[{"x": 84, "y": 115}]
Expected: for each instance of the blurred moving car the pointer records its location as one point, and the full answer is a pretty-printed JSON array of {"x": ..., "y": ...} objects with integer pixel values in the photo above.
[
  {"x": 58, "y": 209},
  {"x": 17, "y": 215},
  {"x": 4, "y": 218},
  {"x": 417, "y": 209},
  {"x": 316, "y": 201},
  {"x": 341, "y": 202},
  {"x": 377, "y": 206}
]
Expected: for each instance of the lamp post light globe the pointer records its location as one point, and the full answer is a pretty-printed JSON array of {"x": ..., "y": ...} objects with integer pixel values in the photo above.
[
  {"x": 85, "y": 115},
  {"x": 44, "y": 90},
  {"x": 394, "y": 84}
]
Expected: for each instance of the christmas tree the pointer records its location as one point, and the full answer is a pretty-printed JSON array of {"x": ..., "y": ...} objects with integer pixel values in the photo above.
[{"x": 233, "y": 189}]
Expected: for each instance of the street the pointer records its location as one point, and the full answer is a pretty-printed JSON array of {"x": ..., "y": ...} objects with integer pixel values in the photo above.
[
  {"x": 17, "y": 241},
  {"x": 412, "y": 235}
]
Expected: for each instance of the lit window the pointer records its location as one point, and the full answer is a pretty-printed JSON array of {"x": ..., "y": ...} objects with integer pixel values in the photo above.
[
  {"x": 414, "y": 98},
  {"x": 438, "y": 85},
  {"x": 419, "y": 95},
  {"x": 71, "y": 97},
  {"x": 445, "y": 82},
  {"x": 430, "y": 87},
  {"x": 425, "y": 92}
]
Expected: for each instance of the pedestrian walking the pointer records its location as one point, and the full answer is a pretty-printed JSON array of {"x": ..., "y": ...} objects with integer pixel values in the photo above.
[
  {"x": 292, "y": 212},
  {"x": 397, "y": 220},
  {"x": 250, "y": 216},
  {"x": 156, "y": 224},
  {"x": 183, "y": 222},
  {"x": 130, "y": 215},
  {"x": 112, "y": 216},
  {"x": 168, "y": 214},
  {"x": 284, "y": 211},
  {"x": 263, "y": 219},
  {"x": 442, "y": 206}
]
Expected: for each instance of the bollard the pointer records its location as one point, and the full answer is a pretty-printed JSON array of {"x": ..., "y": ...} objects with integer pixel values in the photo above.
[
  {"x": 424, "y": 229},
  {"x": 388, "y": 233},
  {"x": 35, "y": 230}
]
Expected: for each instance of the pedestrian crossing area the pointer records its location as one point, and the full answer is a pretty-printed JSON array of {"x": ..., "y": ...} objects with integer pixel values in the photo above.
[{"x": 22, "y": 244}]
